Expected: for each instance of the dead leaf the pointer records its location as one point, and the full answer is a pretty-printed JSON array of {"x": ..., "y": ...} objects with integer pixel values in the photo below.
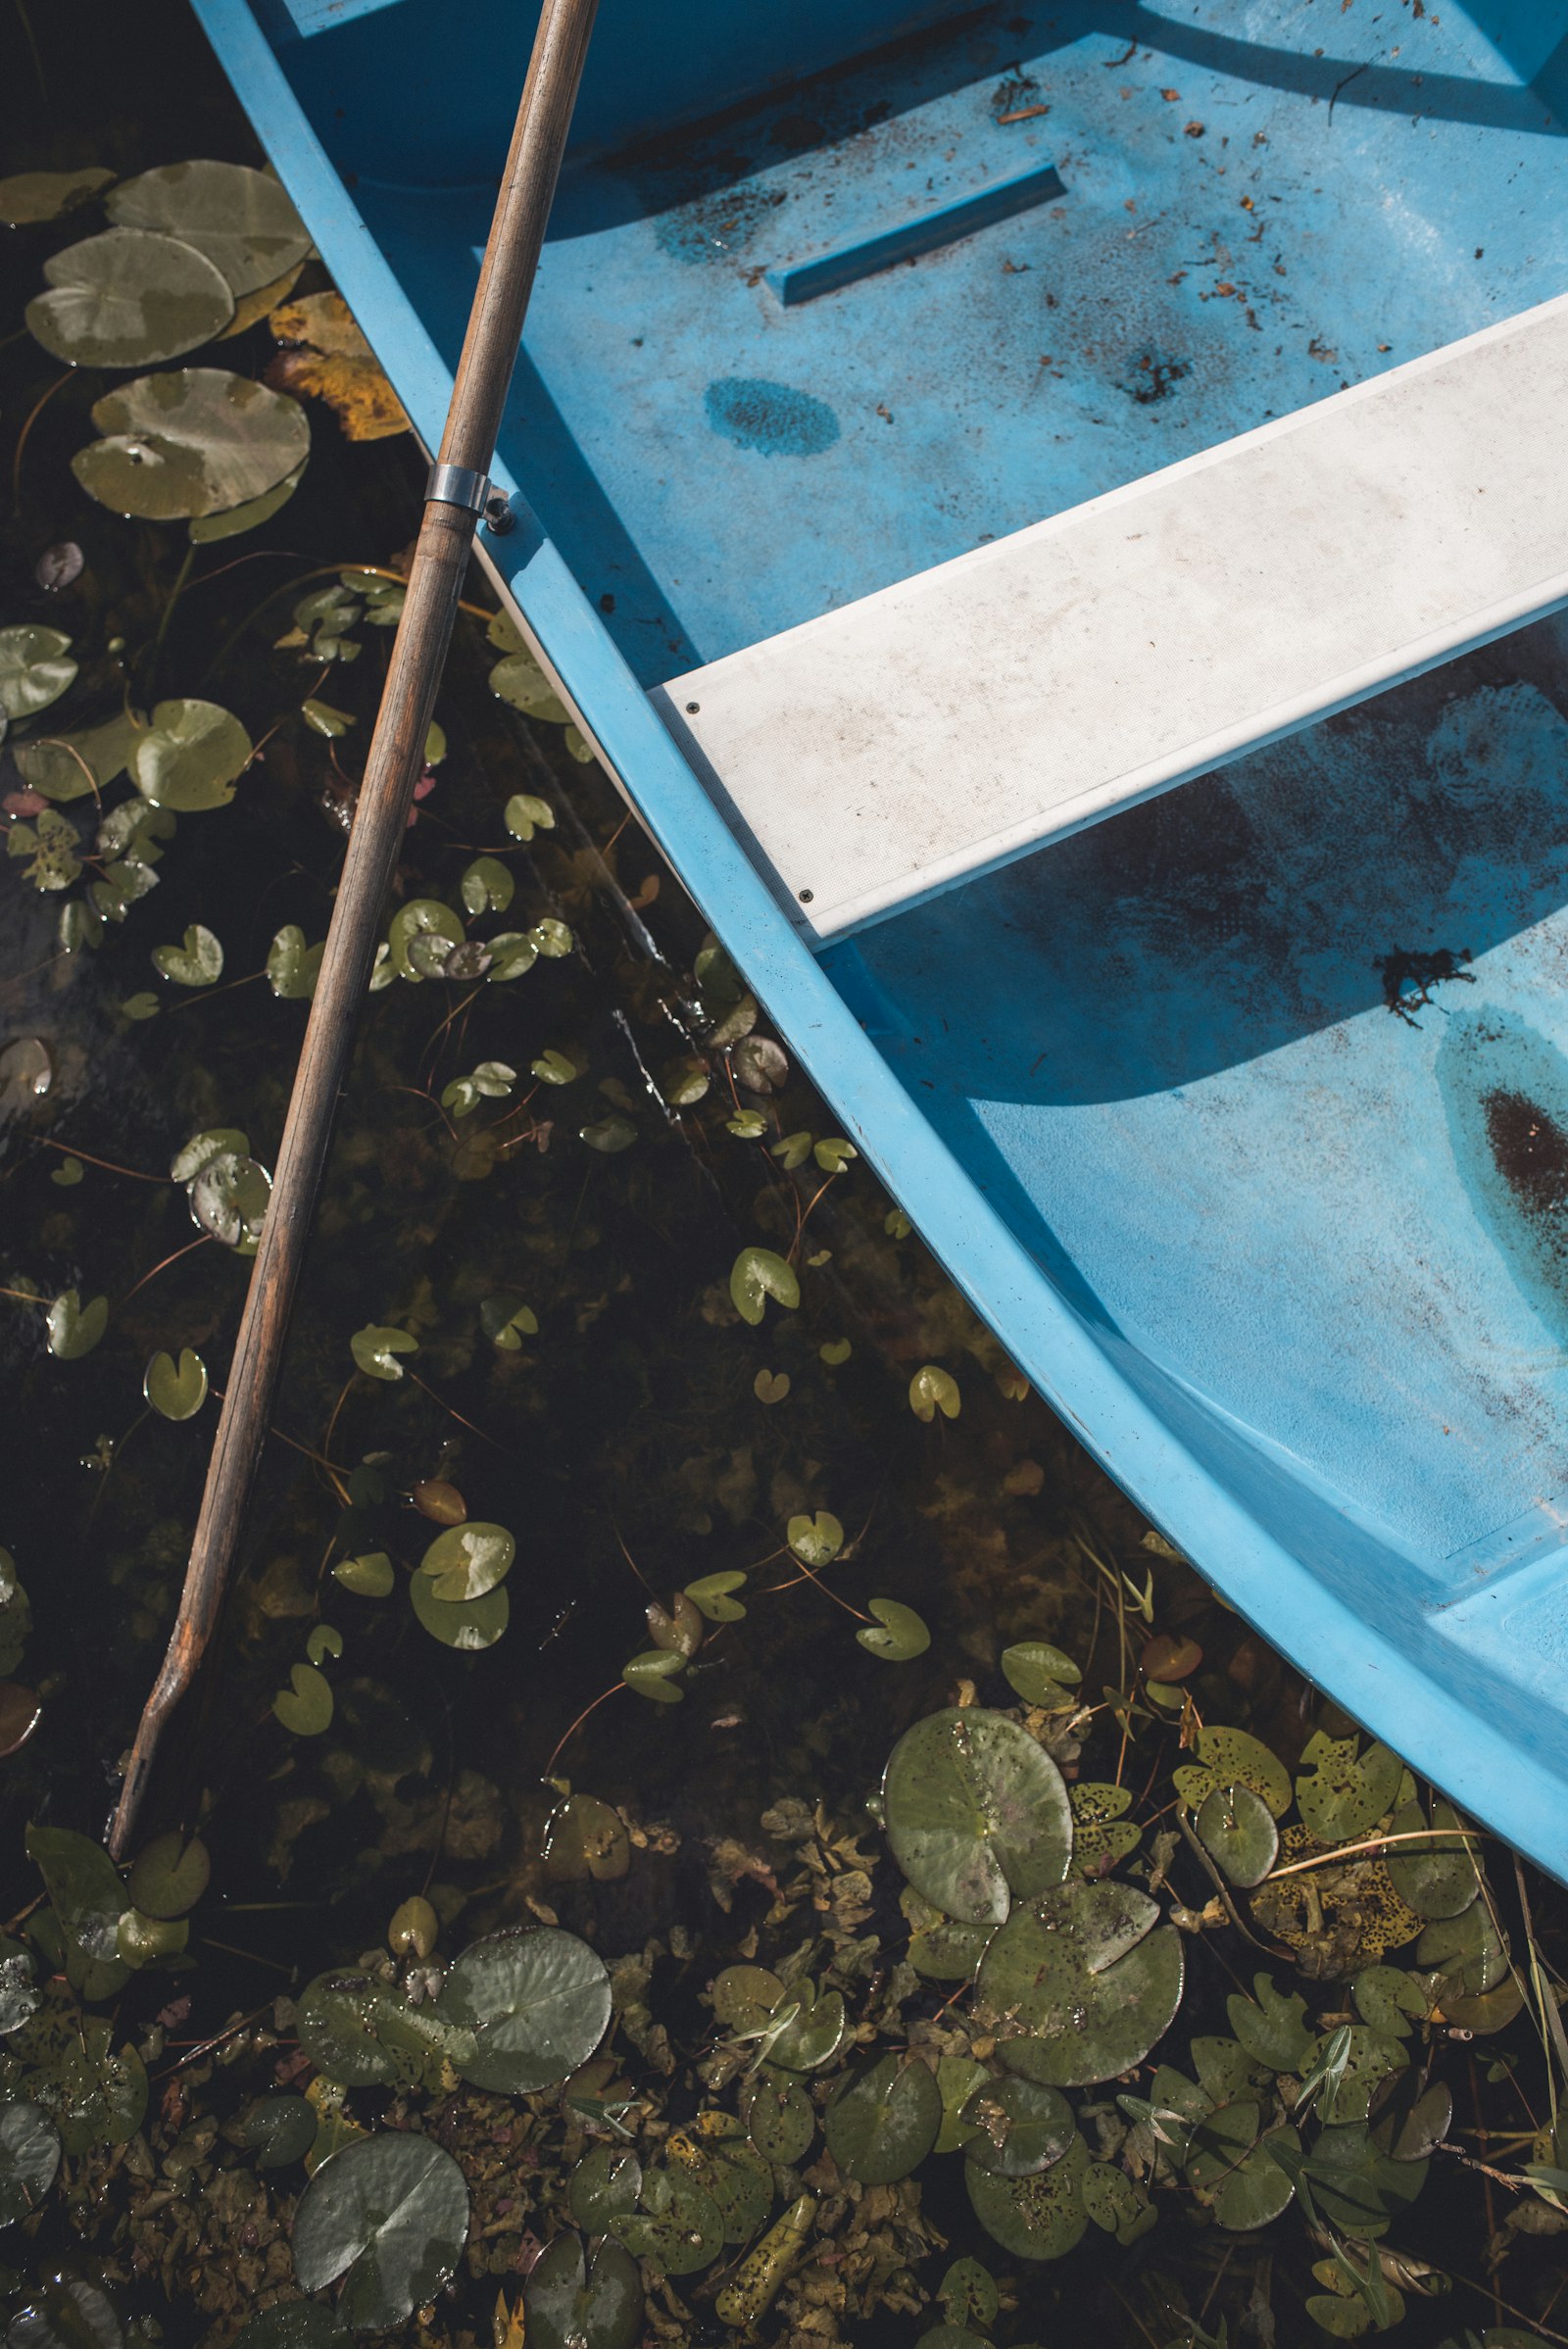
[{"x": 327, "y": 357}]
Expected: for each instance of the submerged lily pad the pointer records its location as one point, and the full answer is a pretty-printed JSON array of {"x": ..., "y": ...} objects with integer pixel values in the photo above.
[
  {"x": 1041, "y": 2217},
  {"x": 34, "y": 668},
  {"x": 128, "y": 298},
  {"x": 976, "y": 1813},
  {"x": 1093, "y": 1976},
  {"x": 575, "y": 2303},
  {"x": 199, "y": 441},
  {"x": 305, "y": 1708},
  {"x": 29, "y": 197},
  {"x": 390, "y": 2215},
  {"x": 29, "y": 2156},
  {"x": 537, "y": 2002},
  {"x": 240, "y": 219},
  {"x": 883, "y": 2121}
]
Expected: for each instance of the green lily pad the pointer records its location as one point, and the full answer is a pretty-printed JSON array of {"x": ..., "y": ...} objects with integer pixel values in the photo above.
[
  {"x": 1343, "y": 1794},
  {"x": 292, "y": 967},
  {"x": 1271, "y": 2026},
  {"x": 1437, "y": 1878},
  {"x": 376, "y": 1349},
  {"x": 66, "y": 2311},
  {"x": 1231, "y": 2168},
  {"x": 305, "y": 1708},
  {"x": 537, "y": 2002},
  {"x": 506, "y": 1320},
  {"x": 716, "y": 2151},
  {"x": 176, "y": 1390},
  {"x": 171, "y": 1874},
  {"x": 240, "y": 219},
  {"x": 72, "y": 765},
  {"x": 1115, "y": 2204},
  {"x": 206, "y": 529},
  {"x": 467, "y": 1560},
  {"x": 1042, "y": 2217},
  {"x": 758, "y": 1274},
  {"x": 900, "y": 1634},
  {"x": 1237, "y": 1828},
  {"x": 30, "y": 197},
  {"x": 940, "y": 1949},
  {"x": 197, "y": 961},
  {"x": 554, "y": 1068},
  {"x": 34, "y": 668},
  {"x": 712, "y": 1596},
  {"x": 83, "y": 1884},
  {"x": 605, "y": 2187},
  {"x": 201, "y": 441},
  {"x": 1101, "y": 1836},
  {"x": 1093, "y": 1976},
  {"x": 390, "y": 2215},
  {"x": 1229, "y": 1757},
  {"x": 572, "y": 2303},
  {"x": 933, "y": 1390},
  {"x": 1466, "y": 1949},
  {"x": 780, "y": 2117},
  {"x": 815, "y": 1541},
  {"x": 1020, "y": 2127},
  {"x": 368, "y": 1577},
  {"x": 189, "y": 759},
  {"x": 293, "y": 2325},
  {"x": 584, "y": 1838},
  {"x": 487, "y": 887},
  {"x": 883, "y": 2121},
  {"x": 128, "y": 298},
  {"x": 74, "y": 1328},
  {"x": 202, "y": 1148},
  {"x": 678, "y": 2230},
  {"x": 977, "y": 1814},
  {"x": 93, "y": 2095},
  {"x": 1040, "y": 1674},
  {"x": 1227, "y": 2071},
  {"x": 1357, "y": 2187},
  {"x": 609, "y": 1134},
  {"x": 654, "y": 1673},
  {"x": 360, "y": 2031},
  {"x": 421, "y": 918},
  {"x": 469, "y": 1625},
  {"x": 525, "y": 813},
  {"x": 520, "y": 680},
  {"x": 1390, "y": 2000},
  {"x": 1414, "y": 2120},
  {"x": 967, "y": 2292},
  {"x": 278, "y": 2130},
  {"x": 29, "y": 2156},
  {"x": 230, "y": 1199},
  {"x": 806, "y": 2030}
]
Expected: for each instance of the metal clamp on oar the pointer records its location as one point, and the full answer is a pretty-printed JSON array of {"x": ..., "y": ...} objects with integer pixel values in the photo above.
[{"x": 461, "y": 485}]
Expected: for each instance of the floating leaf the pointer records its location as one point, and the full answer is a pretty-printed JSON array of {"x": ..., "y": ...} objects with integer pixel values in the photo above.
[
  {"x": 229, "y": 1197},
  {"x": 440, "y": 1501},
  {"x": 1101, "y": 1836},
  {"x": 771, "y": 1386},
  {"x": 815, "y": 1541},
  {"x": 1020, "y": 2127},
  {"x": 506, "y": 1321},
  {"x": 524, "y": 814},
  {"x": 577, "y": 2304},
  {"x": 902, "y": 1634},
  {"x": 584, "y": 1838},
  {"x": 196, "y": 962},
  {"x": 390, "y": 2215},
  {"x": 1389, "y": 1999},
  {"x": 202, "y": 1148},
  {"x": 512, "y": 954},
  {"x": 833, "y": 1155},
  {"x": 293, "y": 2325},
  {"x": 66, "y": 2311},
  {"x": 306, "y": 1708},
  {"x": 756, "y": 1275},
  {"x": 30, "y": 197},
  {"x": 1037, "y": 1672},
  {"x": 278, "y": 2130},
  {"x": 189, "y": 759},
  {"x": 1228, "y": 1757},
  {"x": 1437, "y": 1878},
  {"x": 679, "y": 2230},
  {"x": 240, "y": 219},
  {"x": 554, "y": 1068},
  {"x": 376, "y": 1349},
  {"x": 755, "y": 2284},
  {"x": 712, "y": 1596},
  {"x": 806, "y": 2030},
  {"x": 421, "y": 918},
  {"x": 716, "y": 2151},
  {"x": 1091, "y": 1974},
  {"x": 780, "y": 2117},
  {"x": 361, "y": 2032},
  {"x": 74, "y": 1329},
  {"x": 467, "y": 1560},
  {"x": 883, "y": 2121},
  {"x": 1271, "y": 2026},
  {"x": 537, "y": 2002},
  {"x": 369, "y": 1577},
  {"x": 34, "y": 668},
  {"x": 605, "y": 2187},
  {"x": 977, "y": 1814},
  {"x": 469, "y": 1625},
  {"x": 72, "y": 766},
  {"x": 206, "y": 529},
  {"x": 608, "y": 1135},
  {"x": 486, "y": 886},
  {"x": 414, "y": 1928},
  {"x": 292, "y": 967},
  {"x": 128, "y": 298},
  {"x": 932, "y": 1390},
  {"x": 201, "y": 441},
  {"x": 93, "y": 2095},
  {"x": 1466, "y": 1949},
  {"x": 1341, "y": 1795},
  {"x": 83, "y": 1885},
  {"x": 520, "y": 680},
  {"x": 169, "y": 1875},
  {"x": 334, "y": 362},
  {"x": 834, "y": 1351},
  {"x": 54, "y": 843},
  {"x": 1042, "y": 2217},
  {"x": 1339, "y": 1917},
  {"x": 1357, "y": 2187},
  {"x": 176, "y": 1390},
  {"x": 1232, "y": 2167},
  {"x": 29, "y": 2156},
  {"x": 1237, "y": 1828},
  {"x": 653, "y": 1674}
]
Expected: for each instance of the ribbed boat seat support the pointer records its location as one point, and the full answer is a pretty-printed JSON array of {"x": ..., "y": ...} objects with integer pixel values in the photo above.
[{"x": 964, "y": 716}]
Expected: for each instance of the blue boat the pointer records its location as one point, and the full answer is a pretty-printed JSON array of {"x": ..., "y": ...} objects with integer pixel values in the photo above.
[{"x": 1053, "y": 514}]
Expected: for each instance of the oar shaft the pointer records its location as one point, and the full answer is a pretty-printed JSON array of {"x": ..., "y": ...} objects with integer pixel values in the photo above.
[{"x": 380, "y": 824}]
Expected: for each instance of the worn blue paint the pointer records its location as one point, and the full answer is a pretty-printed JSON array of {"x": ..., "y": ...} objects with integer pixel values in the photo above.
[
  {"x": 773, "y": 418},
  {"x": 1244, "y": 1117}
]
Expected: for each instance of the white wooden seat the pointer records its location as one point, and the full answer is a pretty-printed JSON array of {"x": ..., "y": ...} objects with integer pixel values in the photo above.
[{"x": 964, "y": 716}]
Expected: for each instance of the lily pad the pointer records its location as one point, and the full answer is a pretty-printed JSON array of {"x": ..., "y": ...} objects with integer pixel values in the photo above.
[
  {"x": 93, "y": 2095},
  {"x": 525, "y": 813},
  {"x": 467, "y": 1560},
  {"x": 292, "y": 967},
  {"x": 29, "y": 197},
  {"x": 421, "y": 918},
  {"x": 1041, "y": 1673},
  {"x": 202, "y": 1148},
  {"x": 1042, "y": 2217},
  {"x": 933, "y": 1390},
  {"x": 1437, "y": 1878},
  {"x": 197, "y": 961},
  {"x": 1091, "y": 1974},
  {"x": 368, "y": 1577},
  {"x": 305, "y": 1708},
  {"x": 780, "y": 2117},
  {"x": 883, "y": 2121},
  {"x": 74, "y": 1328},
  {"x": 1390, "y": 2000},
  {"x": 278, "y": 2130},
  {"x": 1229, "y": 1757},
  {"x": 605, "y": 2186},
  {"x": 1021, "y": 2126},
  {"x": 128, "y": 298},
  {"x": 240, "y": 219},
  {"x": 1232, "y": 2167},
  {"x": 390, "y": 2215},
  {"x": 756, "y": 1274},
  {"x": 520, "y": 680},
  {"x": 1237, "y": 1828},
  {"x": 655, "y": 1674},
  {"x": 715, "y": 2150},
  {"x": 537, "y": 2002},
  {"x": 200, "y": 441},
  {"x": 806, "y": 2030},
  {"x": 376, "y": 1349},
  {"x": 229, "y": 1198},
  {"x": 469, "y": 1625},
  {"x": 574, "y": 2303},
  {"x": 29, "y": 2156},
  {"x": 66, "y": 2313},
  {"x": 360, "y": 2031},
  {"x": 206, "y": 529},
  {"x": 678, "y": 2230},
  {"x": 584, "y": 1838},
  {"x": 176, "y": 1390},
  {"x": 815, "y": 1541},
  {"x": 1466, "y": 1949},
  {"x": 486, "y": 886},
  {"x": 899, "y": 1636},
  {"x": 34, "y": 668},
  {"x": 73, "y": 766},
  {"x": 712, "y": 1596},
  {"x": 976, "y": 1813},
  {"x": 171, "y": 1874},
  {"x": 1359, "y": 2188},
  {"x": 1342, "y": 1794},
  {"x": 1101, "y": 1836},
  {"x": 189, "y": 759}
]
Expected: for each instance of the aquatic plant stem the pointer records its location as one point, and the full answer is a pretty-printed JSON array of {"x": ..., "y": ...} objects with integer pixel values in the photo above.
[{"x": 380, "y": 825}]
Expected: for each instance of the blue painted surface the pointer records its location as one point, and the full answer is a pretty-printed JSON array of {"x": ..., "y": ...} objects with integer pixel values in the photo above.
[
  {"x": 1244, "y": 1117},
  {"x": 925, "y": 229}
]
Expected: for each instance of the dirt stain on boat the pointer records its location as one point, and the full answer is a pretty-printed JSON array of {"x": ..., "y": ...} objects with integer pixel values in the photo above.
[{"x": 773, "y": 418}]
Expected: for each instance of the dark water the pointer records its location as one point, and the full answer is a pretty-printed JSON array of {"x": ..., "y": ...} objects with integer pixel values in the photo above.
[{"x": 625, "y": 1444}]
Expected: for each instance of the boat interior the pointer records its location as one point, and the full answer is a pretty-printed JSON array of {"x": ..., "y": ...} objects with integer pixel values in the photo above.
[{"x": 1270, "y": 1075}]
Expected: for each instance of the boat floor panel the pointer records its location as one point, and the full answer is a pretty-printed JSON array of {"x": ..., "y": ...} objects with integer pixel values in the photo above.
[{"x": 1272, "y": 1075}]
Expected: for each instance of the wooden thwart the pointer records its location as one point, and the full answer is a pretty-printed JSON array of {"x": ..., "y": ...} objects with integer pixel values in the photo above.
[{"x": 380, "y": 824}]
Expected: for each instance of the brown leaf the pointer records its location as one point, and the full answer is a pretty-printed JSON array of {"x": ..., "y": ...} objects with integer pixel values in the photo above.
[{"x": 329, "y": 358}]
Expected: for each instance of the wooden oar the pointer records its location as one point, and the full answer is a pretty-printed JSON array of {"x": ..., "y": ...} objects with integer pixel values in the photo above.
[{"x": 455, "y": 497}]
